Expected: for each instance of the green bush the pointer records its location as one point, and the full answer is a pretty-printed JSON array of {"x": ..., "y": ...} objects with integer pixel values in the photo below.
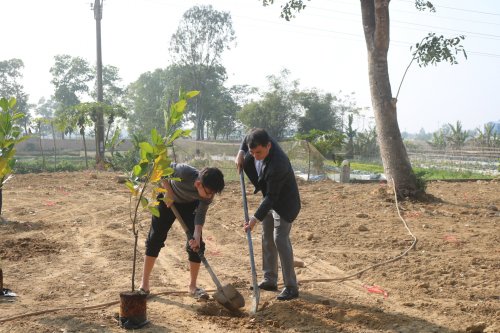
[{"x": 36, "y": 166}]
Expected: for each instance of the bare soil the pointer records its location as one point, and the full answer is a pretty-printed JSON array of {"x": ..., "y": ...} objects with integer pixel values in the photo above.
[{"x": 66, "y": 250}]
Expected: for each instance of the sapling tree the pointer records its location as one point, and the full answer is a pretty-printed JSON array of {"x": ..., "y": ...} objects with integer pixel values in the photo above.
[
  {"x": 147, "y": 175},
  {"x": 310, "y": 137},
  {"x": 10, "y": 136}
]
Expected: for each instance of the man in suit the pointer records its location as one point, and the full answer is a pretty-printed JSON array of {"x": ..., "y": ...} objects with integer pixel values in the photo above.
[{"x": 270, "y": 171}]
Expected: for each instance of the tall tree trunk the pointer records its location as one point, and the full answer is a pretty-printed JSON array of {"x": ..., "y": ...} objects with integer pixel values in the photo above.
[
  {"x": 397, "y": 166},
  {"x": 55, "y": 148},
  {"x": 107, "y": 134},
  {"x": 41, "y": 149},
  {"x": 82, "y": 132},
  {"x": 198, "y": 118}
]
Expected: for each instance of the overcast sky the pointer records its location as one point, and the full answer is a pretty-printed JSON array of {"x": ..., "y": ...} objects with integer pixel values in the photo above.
[{"x": 323, "y": 48}]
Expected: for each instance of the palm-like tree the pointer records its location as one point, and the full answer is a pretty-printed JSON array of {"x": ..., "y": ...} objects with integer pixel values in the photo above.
[
  {"x": 485, "y": 137},
  {"x": 457, "y": 135}
]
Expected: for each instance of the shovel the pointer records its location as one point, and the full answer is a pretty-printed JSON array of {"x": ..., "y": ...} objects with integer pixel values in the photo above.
[
  {"x": 226, "y": 295},
  {"x": 256, "y": 292}
]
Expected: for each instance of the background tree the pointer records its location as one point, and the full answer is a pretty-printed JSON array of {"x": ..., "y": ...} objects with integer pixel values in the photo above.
[
  {"x": 376, "y": 22},
  {"x": 144, "y": 101},
  {"x": 438, "y": 139},
  {"x": 318, "y": 112},
  {"x": 113, "y": 92},
  {"x": 10, "y": 86},
  {"x": 201, "y": 38},
  {"x": 330, "y": 143},
  {"x": 485, "y": 137},
  {"x": 223, "y": 120},
  {"x": 44, "y": 122},
  {"x": 112, "y": 114},
  {"x": 343, "y": 106},
  {"x": 350, "y": 134},
  {"x": 82, "y": 118},
  {"x": 366, "y": 144},
  {"x": 457, "y": 135},
  {"x": 70, "y": 77},
  {"x": 309, "y": 137},
  {"x": 113, "y": 95},
  {"x": 277, "y": 110},
  {"x": 38, "y": 123}
]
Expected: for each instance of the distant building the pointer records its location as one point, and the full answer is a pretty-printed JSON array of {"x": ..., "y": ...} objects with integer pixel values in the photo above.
[{"x": 496, "y": 127}]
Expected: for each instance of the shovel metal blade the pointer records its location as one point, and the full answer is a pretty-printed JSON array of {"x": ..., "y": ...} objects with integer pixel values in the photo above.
[
  {"x": 229, "y": 298},
  {"x": 255, "y": 302}
]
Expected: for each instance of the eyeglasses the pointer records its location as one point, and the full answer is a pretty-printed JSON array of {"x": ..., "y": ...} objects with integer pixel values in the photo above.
[{"x": 208, "y": 193}]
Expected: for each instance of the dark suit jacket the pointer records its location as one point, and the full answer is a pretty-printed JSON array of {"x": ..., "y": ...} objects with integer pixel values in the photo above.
[{"x": 276, "y": 182}]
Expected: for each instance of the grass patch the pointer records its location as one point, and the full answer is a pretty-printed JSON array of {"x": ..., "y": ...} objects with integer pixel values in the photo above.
[
  {"x": 372, "y": 168},
  {"x": 436, "y": 174},
  {"x": 424, "y": 173}
]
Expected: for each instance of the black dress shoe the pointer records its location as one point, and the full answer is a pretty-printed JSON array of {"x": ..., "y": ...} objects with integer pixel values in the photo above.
[
  {"x": 268, "y": 285},
  {"x": 288, "y": 293}
]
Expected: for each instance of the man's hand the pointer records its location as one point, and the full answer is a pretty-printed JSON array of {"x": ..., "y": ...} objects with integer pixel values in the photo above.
[
  {"x": 238, "y": 160},
  {"x": 195, "y": 243},
  {"x": 251, "y": 223}
]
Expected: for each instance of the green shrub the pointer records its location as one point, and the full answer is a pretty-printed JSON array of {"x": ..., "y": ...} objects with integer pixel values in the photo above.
[{"x": 36, "y": 166}]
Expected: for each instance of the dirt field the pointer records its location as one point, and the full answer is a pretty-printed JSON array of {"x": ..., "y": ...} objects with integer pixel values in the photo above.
[{"x": 67, "y": 245}]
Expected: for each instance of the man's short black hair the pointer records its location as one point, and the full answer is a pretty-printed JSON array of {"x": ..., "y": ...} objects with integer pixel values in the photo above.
[
  {"x": 257, "y": 137},
  {"x": 212, "y": 178}
]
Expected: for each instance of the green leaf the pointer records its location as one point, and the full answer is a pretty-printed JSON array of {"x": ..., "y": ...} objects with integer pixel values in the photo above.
[
  {"x": 156, "y": 139},
  {"x": 191, "y": 94},
  {"x": 146, "y": 147},
  {"x": 167, "y": 172},
  {"x": 164, "y": 165},
  {"x": 144, "y": 202},
  {"x": 146, "y": 150},
  {"x": 18, "y": 116},
  {"x": 155, "y": 211},
  {"x": 137, "y": 170},
  {"x": 12, "y": 102},
  {"x": 4, "y": 104},
  {"x": 130, "y": 185},
  {"x": 175, "y": 135}
]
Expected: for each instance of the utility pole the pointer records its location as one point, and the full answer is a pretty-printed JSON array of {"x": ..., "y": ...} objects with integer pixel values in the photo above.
[{"x": 100, "y": 117}]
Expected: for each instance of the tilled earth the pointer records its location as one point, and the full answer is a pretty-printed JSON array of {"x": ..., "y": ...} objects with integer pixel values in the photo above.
[{"x": 66, "y": 250}]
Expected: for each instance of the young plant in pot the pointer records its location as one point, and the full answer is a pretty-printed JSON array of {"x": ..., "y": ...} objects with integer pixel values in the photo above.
[{"x": 144, "y": 184}]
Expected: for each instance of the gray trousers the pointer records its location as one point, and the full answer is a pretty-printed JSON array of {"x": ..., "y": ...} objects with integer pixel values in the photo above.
[{"x": 276, "y": 242}]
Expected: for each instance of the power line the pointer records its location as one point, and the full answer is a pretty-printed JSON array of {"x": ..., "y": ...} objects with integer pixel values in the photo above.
[
  {"x": 462, "y": 9},
  {"x": 410, "y": 23},
  {"x": 308, "y": 30},
  {"x": 481, "y": 35},
  {"x": 434, "y": 15}
]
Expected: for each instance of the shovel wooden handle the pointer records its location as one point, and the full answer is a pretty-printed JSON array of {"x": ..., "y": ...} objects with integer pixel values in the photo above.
[{"x": 200, "y": 253}]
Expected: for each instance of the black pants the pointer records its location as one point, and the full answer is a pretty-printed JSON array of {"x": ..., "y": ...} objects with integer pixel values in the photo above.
[{"x": 161, "y": 225}]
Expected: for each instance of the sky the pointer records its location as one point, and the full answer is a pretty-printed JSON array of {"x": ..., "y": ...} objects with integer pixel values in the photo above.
[{"x": 323, "y": 48}]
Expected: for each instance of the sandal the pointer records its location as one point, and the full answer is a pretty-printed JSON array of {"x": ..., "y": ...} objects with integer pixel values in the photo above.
[
  {"x": 199, "y": 294},
  {"x": 143, "y": 292}
]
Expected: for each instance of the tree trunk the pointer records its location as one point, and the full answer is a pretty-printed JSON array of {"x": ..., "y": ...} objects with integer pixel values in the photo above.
[
  {"x": 85, "y": 149},
  {"x": 41, "y": 149},
  {"x": 197, "y": 117},
  {"x": 308, "y": 160},
  {"x": 397, "y": 166},
  {"x": 55, "y": 148}
]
